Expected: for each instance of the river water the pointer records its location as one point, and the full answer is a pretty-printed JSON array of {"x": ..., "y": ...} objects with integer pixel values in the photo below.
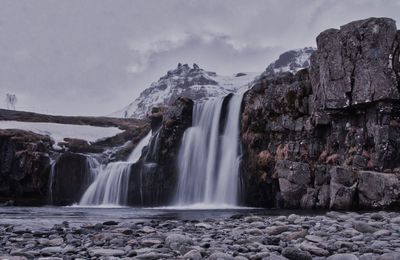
[{"x": 45, "y": 217}]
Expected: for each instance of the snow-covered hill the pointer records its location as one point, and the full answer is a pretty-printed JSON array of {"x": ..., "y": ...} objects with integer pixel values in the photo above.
[
  {"x": 192, "y": 82},
  {"x": 290, "y": 61}
]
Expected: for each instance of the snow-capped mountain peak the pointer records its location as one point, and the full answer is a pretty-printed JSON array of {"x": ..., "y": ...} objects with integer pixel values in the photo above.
[
  {"x": 290, "y": 61},
  {"x": 192, "y": 82}
]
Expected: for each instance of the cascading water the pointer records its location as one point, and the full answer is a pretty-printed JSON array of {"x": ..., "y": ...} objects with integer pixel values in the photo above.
[
  {"x": 111, "y": 184},
  {"x": 137, "y": 152},
  {"x": 110, "y": 187},
  {"x": 51, "y": 178},
  {"x": 228, "y": 172},
  {"x": 91, "y": 171},
  {"x": 208, "y": 162}
]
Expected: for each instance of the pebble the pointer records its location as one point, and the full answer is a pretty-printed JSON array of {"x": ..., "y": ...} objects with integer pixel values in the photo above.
[
  {"x": 333, "y": 236},
  {"x": 106, "y": 252},
  {"x": 294, "y": 253},
  {"x": 343, "y": 257}
]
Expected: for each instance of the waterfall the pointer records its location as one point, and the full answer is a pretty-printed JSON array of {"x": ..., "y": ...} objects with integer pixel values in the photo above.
[
  {"x": 110, "y": 187},
  {"x": 90, "y": 173},
  {"x": 208, "y": 161},
  {"x": 137, "y": 152},
  {"x": 227, "y": 186},
  {"x": 51, "y": 179}
]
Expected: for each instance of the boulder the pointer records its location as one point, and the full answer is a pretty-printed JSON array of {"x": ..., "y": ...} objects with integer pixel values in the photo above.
[
  {"x": 378, "y": 190},
  {"x": 294, "y": 178},
  {"x": 343, "y": 187}
]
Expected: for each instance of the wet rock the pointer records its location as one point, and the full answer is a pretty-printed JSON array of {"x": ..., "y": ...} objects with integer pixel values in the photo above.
[
  {"x": 51, "y": 250},
  {"x": 313, "y": 249},
  {"x": 105, "y": 252},
  {"x": 110, "y": 223},
  {"x": 193, "y": 255},
  {"x": 294, "y": 253},
  {"x": 313, "y": 238},
  {"x": 343, "y": 257},
  {"x": 294, "y": 178},
  {"x": 297, "y": 235},
  {"x": 342, "y": 188},
  {"x": 220, "y": 256},
  {"x": 175, "y": 241},
  {"x": 378, "y": 190},
  {"x": 276, "y": 230},
  {"x": 364, "y": 227},
  {"x": 275, "y": 257},
  {"x": 56, "y": 242},
  {"x": 153, "y": 256}
]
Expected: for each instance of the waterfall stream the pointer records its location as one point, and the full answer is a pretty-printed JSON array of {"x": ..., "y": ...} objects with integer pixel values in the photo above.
[
  {"x": 110, "y": 187},
  {"x": 208, "y": 161}
]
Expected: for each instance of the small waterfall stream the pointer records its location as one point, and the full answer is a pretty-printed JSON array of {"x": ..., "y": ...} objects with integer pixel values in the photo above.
[
  {"x": 51, "y": 179},
  {"x": 110, "y": 187},
  {"x": 208, "y": 160}
]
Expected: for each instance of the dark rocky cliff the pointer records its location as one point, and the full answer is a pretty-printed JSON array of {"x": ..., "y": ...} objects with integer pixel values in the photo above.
[
  {"x": 25, "y": 158},
  {"x": 329, "y": 136},
  {"x": 24, "y": 167}
]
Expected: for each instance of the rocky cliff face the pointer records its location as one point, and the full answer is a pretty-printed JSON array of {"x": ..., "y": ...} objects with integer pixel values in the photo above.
[
  {"x": 153, "y": 179},
  {"x": 328, "y": 137},
  {"x": 26, "y": 158},
  {"x": 24, "y": 167}
]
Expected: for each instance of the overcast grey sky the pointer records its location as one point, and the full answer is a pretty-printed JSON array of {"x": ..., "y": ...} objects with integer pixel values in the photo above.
[{"x": 92, "y": 57}]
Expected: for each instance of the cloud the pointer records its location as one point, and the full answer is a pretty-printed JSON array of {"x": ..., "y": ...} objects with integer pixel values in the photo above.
[{"x": 142, "y": 54}]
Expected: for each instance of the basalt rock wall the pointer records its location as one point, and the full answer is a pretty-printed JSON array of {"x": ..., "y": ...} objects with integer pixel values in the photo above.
[
  {"x": 24, "y": 167},
  {"x": 153, "y": 178},
  {"x": 329, "y": 136}
]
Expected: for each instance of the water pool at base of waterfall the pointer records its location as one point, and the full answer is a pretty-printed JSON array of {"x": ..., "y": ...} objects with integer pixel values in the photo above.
[{"x": 47, "y": 216}]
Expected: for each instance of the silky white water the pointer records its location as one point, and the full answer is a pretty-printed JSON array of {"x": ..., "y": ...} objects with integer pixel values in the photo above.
[
  {"x": 51, "y": 178},
  {"x": 110, "y": 187},
  {"x": 227, "y": 186},
  {"x": 137, "y": 152},
  {"x": 208, "y": 161}
]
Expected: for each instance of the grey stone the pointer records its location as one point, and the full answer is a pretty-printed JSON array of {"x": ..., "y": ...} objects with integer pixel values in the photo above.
[
  {"x": 275, "y": 257},
  {"x": 378, "y": 190},
  {"x": 276, "y": 230},
  {"x": 193, "y": 255},
  {"x": 342, "y": 188},
  {"x": 175, "y": 241},
  {"x": 105, "y": 252},
  {"x": 220, "y": 256},
  {"x": 294, "y": 253},
  {"x": 313, "y": 249},
  {"x": 294, "y": 178},
  {"x": 364, "y": 227},
  {"x": 343, "y": 257}
]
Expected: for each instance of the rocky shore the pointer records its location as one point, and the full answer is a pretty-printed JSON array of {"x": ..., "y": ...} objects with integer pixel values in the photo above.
[{"x": 333, "y": 236}]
